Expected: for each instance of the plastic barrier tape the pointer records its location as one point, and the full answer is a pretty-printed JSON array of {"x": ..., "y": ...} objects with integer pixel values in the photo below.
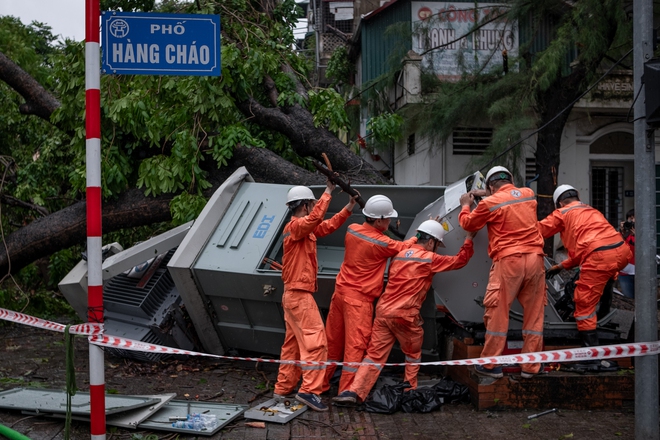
[
  {"x": 96, "y": 336},
  {"x": 567, "y": 355},
  {"x": 80, "y": 329}
]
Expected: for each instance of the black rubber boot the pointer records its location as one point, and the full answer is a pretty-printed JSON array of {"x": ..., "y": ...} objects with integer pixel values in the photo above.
[{"x": 589, "y": 338}]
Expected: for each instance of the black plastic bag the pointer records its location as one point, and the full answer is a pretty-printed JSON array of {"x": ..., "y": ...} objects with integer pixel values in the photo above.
[
  {"x": 386, "y": 399},
  {"x": 452, "y": 392},
  {"x": 421, "y": 400},
  {"x": 389, "y": 399}
]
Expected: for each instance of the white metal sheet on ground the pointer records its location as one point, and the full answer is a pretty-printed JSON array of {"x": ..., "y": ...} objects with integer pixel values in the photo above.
[
  {"x": 127, "y": 419},
  {"x": 162, "y": 420},
  {"x": 54, "y": 401},
  {"x": 276, "y": 410},
  {"x": 131, "y": 419}
]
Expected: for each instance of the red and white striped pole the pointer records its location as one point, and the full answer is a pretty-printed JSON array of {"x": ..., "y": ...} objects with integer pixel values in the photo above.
[{"x": 94, "y": 241}]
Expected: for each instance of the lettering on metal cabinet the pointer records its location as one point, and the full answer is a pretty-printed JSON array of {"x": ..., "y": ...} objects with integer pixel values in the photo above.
[{"x": 263, "y": 226}]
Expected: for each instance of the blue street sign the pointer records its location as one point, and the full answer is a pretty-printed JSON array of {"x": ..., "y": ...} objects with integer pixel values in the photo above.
[{"x": 139, "y": 43}]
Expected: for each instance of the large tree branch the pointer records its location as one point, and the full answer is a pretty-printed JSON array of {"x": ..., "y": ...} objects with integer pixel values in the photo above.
[
  {"x": 13, "y": 201},
  {"x": 308, "y": 140},
  {"x": 38, "y": 101},
  {"x": 67, "y": 227}
]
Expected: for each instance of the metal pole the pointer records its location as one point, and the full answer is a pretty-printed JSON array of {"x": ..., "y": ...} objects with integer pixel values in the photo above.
[
  {"x": 94, "y": 241},
  {"x": 317, "y": 42},
  {"x": 646, "y": 321}
]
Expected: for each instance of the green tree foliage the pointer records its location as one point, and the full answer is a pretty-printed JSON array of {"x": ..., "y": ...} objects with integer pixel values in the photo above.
[
  {"x": 161, "y": 134},
  {"x": 586, "y": 36},
  {"x": 340, "y": 67},
  {"x": 536, "y": 91},
  {"x": 385, "y": 129}
]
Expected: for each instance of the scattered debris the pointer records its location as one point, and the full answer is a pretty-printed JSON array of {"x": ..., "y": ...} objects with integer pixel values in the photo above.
[
  {"x": 535, "y": 416},
  {"x": 276, "y": 410}
]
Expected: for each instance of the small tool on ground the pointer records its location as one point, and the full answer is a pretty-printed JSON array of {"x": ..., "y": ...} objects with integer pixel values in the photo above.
[{"x": 534, "y": 416}]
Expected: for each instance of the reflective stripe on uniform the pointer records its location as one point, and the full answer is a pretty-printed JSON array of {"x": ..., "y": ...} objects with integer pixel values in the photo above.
[
  {"x": 419, "y": 260},
  {"x": 413, "y": 360},
  {"x": 489, "y": 332},
  {"x": 532, "y": 332},
  {"x": 366, "y": 238},
  {"x": 369, "y": 361},
  {"x": 312, "y": 367},
  {"x": 511, "y": 202},
  {"x": 581, "y": 206},
  {"x": 582, "y": 318}
]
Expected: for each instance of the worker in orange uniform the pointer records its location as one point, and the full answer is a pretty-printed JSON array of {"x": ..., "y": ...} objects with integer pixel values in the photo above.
[
  {"x": 305, "y": 336},
  {"x": 516, "y": 247},
  {"x": 397, "y": 312},
  {"x": 359, "y": 283},
  {"x": 594, "y": 245}
]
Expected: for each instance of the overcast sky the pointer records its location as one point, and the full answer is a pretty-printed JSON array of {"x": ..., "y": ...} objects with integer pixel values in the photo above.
[{"x": 65, "y": 17}]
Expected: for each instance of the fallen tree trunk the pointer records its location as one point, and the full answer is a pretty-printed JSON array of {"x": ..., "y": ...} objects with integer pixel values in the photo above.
[{"x": 67, "y": 227}]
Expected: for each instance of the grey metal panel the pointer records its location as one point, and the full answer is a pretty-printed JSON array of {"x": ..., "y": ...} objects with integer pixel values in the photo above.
[
  {"x": 54, "y": 401},
  {"x": 141, "y": 252},
  {"x": 74, "y": 285},
  {"x": 263, "y": 340},
  {"x": 244, "y": 234},
  {"x": 224, "y": 413},
  {"x": 74, "y": 288},
  {"x": 129, "y": 419},
  {"x": 244, "y": 294},
  {"x": 180, "y": 265},
  {"x": 138, "y": 329}
]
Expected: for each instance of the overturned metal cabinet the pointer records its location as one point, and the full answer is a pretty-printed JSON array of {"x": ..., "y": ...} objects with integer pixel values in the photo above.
[
  {"x": 226, "y": 269},
  {"x": 461, "y": 292},
  {"x": 140, "y": 300}
]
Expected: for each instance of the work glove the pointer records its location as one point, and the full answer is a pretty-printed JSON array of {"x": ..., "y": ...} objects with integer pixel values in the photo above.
[{"x": 553, "y": 270}]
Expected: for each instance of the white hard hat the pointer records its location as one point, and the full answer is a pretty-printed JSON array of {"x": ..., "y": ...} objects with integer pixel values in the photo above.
[
  {"x": 379, "y": 206},
  {"x": 561, "y": 189},
  {"x": 299, "y": 193},
  {"x": 495, "y": 170},
  {"x": 433, "y": 228}
]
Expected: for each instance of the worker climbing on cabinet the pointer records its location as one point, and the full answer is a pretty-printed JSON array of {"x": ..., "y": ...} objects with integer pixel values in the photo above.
[
  {"x": 359, "y": 283},
  {"x": 594, "y": 245}
]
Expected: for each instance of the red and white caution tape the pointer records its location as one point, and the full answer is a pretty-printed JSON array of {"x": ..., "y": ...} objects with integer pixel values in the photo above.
[
  {"x": 96, "y": 337},
  {"x": 80, "y": 329},
  {"x": 567, "y": 355}
]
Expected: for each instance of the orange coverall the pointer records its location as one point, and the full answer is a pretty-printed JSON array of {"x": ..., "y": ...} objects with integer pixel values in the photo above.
[
  {"x": 595, "y": 246},
  {"x": 516, "y": 247},
  {"x": 397, "y": 312},
  {"x": 359, "y": 283},
  {"x": 305, "y": 336}
]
